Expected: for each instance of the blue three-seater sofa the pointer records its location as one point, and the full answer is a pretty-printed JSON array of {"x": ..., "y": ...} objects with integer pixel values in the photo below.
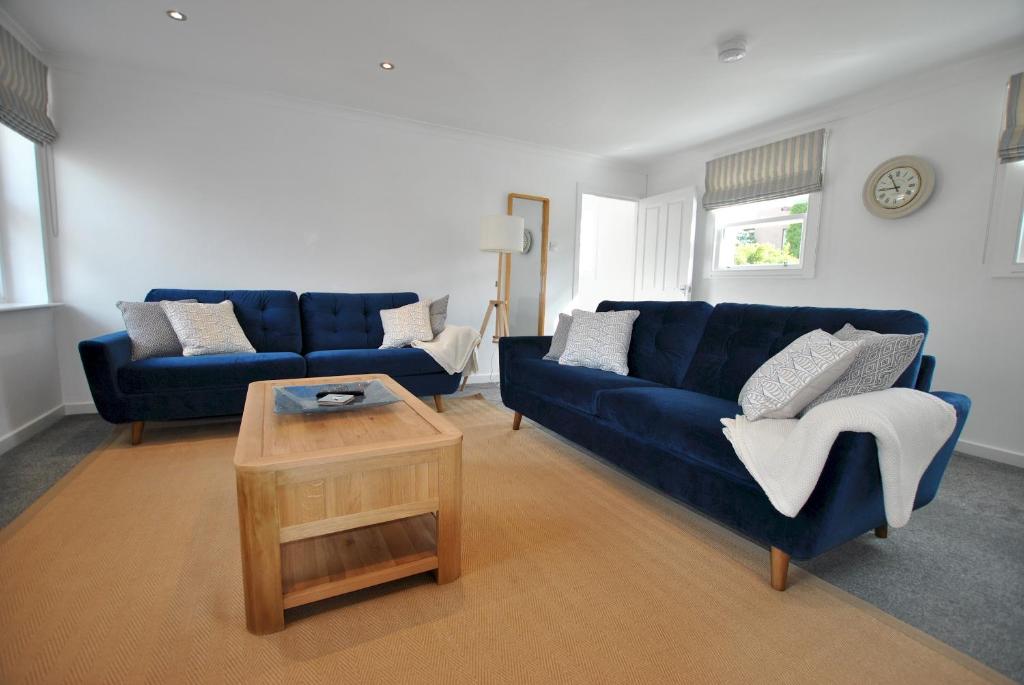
[
  {"x": 318, "y": 334},
  {"x": 687, "y": 364}
]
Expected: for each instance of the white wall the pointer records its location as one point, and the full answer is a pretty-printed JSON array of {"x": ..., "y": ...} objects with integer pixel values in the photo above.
[
  {"x": 165, "y": 184},
  {"x": 30, "y": 396},
  {"x": 931, "y": 261}
]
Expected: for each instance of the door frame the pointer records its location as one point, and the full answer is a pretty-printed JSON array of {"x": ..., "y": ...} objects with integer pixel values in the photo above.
[{"x": 592, "y": 189}]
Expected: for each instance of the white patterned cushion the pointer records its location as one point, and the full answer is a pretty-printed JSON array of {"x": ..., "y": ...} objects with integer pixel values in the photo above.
[
  {"x": 405, "y": 324},
  {"x": 600, "y": 340},
  {"x": 149, "y": 330},
  {"x": 882, "y": 359},
  {"x": 207, "y": 328},
  {"x": 560, "y": 337},
  {"x": 791, "y": 380},
  {"x": 438, "y": 315}
]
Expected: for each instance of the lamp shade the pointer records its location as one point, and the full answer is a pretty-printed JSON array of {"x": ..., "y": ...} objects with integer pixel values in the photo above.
[{"x": 502, "y": 233}]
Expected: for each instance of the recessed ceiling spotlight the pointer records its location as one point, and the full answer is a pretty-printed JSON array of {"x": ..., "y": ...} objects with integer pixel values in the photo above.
[
  {"x": 387, "y": 66},
  {"x": 176, "y": 15},
  {"x": 732, "y": 50}
]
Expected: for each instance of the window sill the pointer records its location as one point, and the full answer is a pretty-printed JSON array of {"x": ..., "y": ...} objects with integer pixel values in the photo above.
[
  {"x": 805, "y": 272},
  {"x": 13, "y": 307}
]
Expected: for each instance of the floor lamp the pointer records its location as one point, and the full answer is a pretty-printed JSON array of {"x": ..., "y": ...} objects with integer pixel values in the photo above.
[{"x": 504, "y": 235}]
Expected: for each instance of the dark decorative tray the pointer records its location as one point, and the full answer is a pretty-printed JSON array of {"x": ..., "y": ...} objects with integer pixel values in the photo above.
[{"x": 301, "y": 399}]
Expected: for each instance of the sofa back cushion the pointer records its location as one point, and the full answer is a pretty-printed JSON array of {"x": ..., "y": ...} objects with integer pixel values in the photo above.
[
  {"x": 346, "y": 321},
  {"x": 665, "y": 337},
  {"x": 739, "y": 338},
  {"x": 270, "y": 318}
]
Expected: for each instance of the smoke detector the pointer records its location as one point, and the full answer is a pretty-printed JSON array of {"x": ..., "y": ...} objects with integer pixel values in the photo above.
[{"x": 732, "y": 50}]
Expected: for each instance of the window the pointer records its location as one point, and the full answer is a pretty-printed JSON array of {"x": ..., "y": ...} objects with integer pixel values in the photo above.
[
  {"x": 775, "y": 237},
  {"x": 1005, "y": 245},
  {"x": 22, "y": 253}
]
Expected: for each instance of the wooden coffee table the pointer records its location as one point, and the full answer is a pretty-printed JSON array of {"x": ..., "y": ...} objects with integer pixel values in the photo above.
[{"x": 335, "y": 502}]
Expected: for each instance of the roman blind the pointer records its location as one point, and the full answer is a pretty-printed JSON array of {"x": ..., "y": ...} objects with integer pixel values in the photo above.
[
  {"x": 786, "y": 167},
  {"x": 23, "y": 91},
  {"x": 1011, "y": 142}
]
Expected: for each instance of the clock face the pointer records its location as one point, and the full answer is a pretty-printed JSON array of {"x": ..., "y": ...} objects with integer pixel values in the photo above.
[{"x": 897, "y": 187}]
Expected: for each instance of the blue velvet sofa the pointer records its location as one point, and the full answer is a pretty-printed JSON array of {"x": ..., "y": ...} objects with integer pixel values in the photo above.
[
  {"x": 317, "y": 334},
  {"x": 688, "y": 362}
]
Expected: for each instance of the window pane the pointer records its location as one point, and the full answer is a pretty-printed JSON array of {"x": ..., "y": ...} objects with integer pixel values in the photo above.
[
  {"x": 760, "y": 234},
  {"x": 1020, "y": 240}
]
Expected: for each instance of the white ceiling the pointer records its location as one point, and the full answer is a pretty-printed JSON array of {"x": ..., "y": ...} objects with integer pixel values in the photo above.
[{"x": 623, "y": 79}]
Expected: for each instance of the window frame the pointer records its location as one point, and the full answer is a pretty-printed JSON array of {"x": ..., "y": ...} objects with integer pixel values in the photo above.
[
  {"x": 716, "y": 229},
  {"x": 1006, "y": 222}
]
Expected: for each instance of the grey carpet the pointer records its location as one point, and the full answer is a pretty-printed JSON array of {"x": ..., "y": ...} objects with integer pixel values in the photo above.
[{"x": 956, "y": 571}]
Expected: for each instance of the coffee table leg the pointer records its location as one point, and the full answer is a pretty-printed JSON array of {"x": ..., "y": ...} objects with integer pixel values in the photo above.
[
  {"x": 261, "y": 551},
  {"x": 449, "y": 515}
]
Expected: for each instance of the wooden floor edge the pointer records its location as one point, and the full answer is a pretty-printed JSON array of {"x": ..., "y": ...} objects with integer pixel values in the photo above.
[{"x": 55, "y": 489}]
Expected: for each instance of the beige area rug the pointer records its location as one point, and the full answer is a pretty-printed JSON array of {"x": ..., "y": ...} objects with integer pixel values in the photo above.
[{"x": 128, "y": 571}]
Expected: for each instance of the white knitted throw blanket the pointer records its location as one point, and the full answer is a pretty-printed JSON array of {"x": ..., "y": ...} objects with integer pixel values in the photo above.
[
  {"x": 786, "y": 456},
  {"x": 454, "y": 349}
]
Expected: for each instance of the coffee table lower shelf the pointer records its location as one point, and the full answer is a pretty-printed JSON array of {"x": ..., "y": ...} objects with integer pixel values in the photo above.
[{"x": 328, "y": 565}]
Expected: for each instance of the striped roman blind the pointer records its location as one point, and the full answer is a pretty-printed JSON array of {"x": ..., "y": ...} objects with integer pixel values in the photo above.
[
  {"x": 23, "y": 91},
  {"x": 786, "y": 167},
  {"x": 1011, "y": 142}
]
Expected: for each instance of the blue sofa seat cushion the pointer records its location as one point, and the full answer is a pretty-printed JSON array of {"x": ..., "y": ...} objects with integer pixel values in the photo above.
[
  {"x": 171, "y": 374},
  {"x": 404, "y": 361},
  {"x": 344, "y": 321},
  {"x": 680, "y": 422},
  {"x": 270, "y": 318},
  {"x": 576, "y": 387}
]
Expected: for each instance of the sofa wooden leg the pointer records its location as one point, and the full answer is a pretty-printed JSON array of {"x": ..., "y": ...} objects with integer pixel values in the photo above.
[
  {"x": 137, "y": 427},
  {"x": 882, "y": 531},
  {"x": 439, "y": 403},
  {"x": 516, "y": 420},
  {"x": 780, "y": 568}
]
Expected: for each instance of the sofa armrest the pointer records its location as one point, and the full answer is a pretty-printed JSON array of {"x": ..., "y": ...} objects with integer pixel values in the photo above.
[
  {"x": 529, "y": 346},
  {"x": 924, "y": 376},
  {"x": 848, "y": 500},
  {"x": 101, "y": 358}
]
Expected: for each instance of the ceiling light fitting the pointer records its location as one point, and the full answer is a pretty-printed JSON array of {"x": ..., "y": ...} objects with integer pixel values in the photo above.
[
  {"x": 387, "y": 66},
  {"x": 176, "y": 15},
  {"x": 732, "y": 50}
]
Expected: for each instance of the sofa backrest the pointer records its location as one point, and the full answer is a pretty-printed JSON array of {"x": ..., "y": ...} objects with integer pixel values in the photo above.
[
  {"x": 345, "y": 321},
  {"x": 665, "y": 337},
  {"x": 739, "y": 338},
  {"x": 269, "y": 318}
]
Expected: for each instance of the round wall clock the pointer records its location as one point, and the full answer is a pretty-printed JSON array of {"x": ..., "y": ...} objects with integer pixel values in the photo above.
[{"x": 899, "y": 186}]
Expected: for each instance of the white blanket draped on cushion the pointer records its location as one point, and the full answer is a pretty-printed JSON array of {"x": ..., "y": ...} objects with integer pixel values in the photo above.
[
  {"x": 786, "y": 456},
  {"x": 454, "y": 349}
]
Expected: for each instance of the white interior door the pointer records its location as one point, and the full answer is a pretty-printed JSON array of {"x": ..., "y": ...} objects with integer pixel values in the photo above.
[{"x": 664, "y": 246}]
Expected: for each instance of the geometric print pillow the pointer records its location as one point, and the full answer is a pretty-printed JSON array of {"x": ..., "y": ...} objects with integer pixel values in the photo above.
[
  {"x": 207, "y": 328},
  {"x": 882, "y": 359},
  {"x": 405, "y": 325},
  {"x": 793, "y": 378},
  {"x": 149, "y": 330},
  {"x": 600, "y": 340}
]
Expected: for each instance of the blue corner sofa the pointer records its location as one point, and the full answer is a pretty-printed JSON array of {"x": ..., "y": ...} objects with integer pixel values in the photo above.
[
  {"x": 317, "y": 334},
  {"x": 688, "y": 362}
]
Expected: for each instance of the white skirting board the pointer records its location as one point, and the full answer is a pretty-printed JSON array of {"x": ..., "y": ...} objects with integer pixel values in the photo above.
[
  {"x": 72, "y": 408},
  {"x": 33, "y": 427},
  {"x": 977, "y": 449},
  {"x": 478, "y": 378}
]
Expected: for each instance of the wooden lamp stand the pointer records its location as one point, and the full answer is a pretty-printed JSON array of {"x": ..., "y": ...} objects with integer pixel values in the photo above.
[{"x": 499, "y": 306}]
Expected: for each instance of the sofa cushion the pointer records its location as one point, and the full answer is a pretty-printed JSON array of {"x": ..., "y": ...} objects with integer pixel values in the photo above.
[
  {"x": 665, "y": 336},
  {"x": 345, "y": 321},
  {"x": 739, "y": 338},
  {"x": 270, "y": 318},
  {"x": 168, "y": 374},
  {"x": 680, "y": 422},
  {"x": 402, "y": 361},
  {"x": 576, "y": 387}
]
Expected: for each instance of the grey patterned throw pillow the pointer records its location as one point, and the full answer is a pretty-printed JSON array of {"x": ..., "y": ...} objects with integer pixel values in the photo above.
[
  {"x": 207, "y": 328},
  {"x": 879, "y": 363},
  {"x": 560, "y": 337},
  {"x": 438, "y": 315},
  {"x": 600, "y": 340},
  {"x": 149, "y": 330},
  {"x": 403, "y": 325},
  {"x": 790, "y": 380}
]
